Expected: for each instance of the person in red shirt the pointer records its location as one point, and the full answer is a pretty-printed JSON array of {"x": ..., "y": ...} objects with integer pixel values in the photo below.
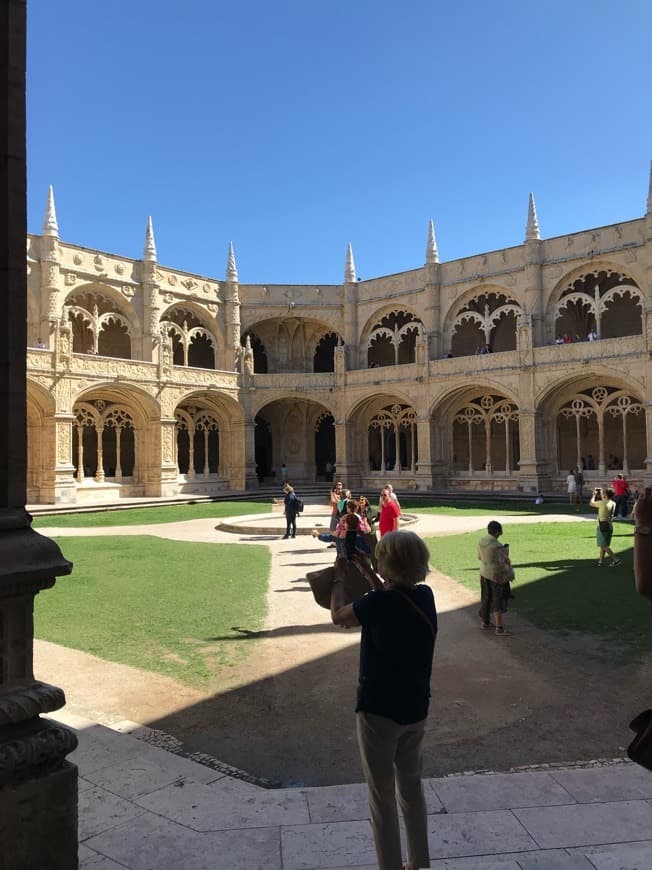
[
  {"x": 389, "y": 513},
  {"x": 621, "y": 491}
]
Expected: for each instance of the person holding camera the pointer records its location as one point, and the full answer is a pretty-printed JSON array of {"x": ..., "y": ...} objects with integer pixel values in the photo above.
[
  {"x": 603, "y": 500},
  {"x": 399, "y": 628}
]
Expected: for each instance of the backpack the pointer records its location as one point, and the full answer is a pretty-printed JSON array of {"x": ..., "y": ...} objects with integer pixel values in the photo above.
[{"x": 299, "y": 505}]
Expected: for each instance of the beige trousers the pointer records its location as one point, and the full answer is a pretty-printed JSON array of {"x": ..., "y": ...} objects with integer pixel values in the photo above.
[{"x": 391, "y": 760}]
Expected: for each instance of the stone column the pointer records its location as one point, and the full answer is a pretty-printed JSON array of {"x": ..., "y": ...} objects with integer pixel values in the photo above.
[
  {"x": 249, "y": 437},
  {"x": 65, "y": 491},
  {"x": 351, "y": 337},
  {"x": 533, "y": 281},
  {"x": 648, "y": 443},
  {"x": 432, "y": 320},
  {"x": 424, "y": 462},
  {"x": 38, "y": 787},
  {"x": 533, "y": 473},
  {"x": 345, "y": 471}
]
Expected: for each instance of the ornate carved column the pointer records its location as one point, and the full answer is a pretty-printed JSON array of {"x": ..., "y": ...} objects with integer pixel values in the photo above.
[
  {"x": 424, "y": 465},
  {"x": 249, "y": 438},
  {"x": 533, "y": 474},
  {"x": 38, "y": 787},
  {"x": 345, "y": 470}
]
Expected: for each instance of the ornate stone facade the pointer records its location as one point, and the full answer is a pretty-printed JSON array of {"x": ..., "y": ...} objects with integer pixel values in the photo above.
[{"x": 148, "y": 381}]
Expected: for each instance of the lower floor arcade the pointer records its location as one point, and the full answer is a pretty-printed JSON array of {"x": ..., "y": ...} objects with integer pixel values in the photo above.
[{"x": 121, "y": 442}]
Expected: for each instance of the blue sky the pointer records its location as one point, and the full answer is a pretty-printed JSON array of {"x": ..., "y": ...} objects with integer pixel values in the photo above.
[{"x": 294, "y": 127}]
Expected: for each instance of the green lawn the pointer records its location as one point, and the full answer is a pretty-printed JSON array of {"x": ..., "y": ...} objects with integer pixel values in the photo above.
[
  {"x": 558, "y": 584},
  {"x": 502, "y": 508},
  {"x": 164, "y": 606},
  {"x": 149, "y": 515}
]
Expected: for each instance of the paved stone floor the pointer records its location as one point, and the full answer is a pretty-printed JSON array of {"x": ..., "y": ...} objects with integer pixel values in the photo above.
[{"x": 142, "y": 806}]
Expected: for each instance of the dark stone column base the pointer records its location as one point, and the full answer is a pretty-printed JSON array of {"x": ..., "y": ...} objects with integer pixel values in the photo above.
[{"x": 38, "y": 822}]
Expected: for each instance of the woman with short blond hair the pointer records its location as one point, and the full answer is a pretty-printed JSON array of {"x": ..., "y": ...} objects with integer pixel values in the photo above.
[{"x": 399, "y": 628}]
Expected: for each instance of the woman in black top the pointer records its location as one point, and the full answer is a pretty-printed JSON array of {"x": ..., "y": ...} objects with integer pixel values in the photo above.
[{"x": 399, "y": 627}]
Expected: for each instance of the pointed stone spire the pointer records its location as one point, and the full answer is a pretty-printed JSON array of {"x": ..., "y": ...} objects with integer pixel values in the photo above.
[
  {"x": 432, "y": 254},
  {"x": 532, "y": 230},
  {"x": 149, "y": 254},
  {"x": 50, "y": 226},
  {"x": 231, "y": 268},
  {"x": 349, "y": 268},
  {"x": 649, "y": 192}
]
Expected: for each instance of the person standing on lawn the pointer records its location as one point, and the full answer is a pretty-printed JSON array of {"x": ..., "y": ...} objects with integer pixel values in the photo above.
[
  {"x": 621, "y": 494},
  {"x": 571, "y": 486},
  {"x": 389, "y": 513},
  {"x": 604, "y": 502},
  {"x": 495, "y": 575},
  {"x": 399, "y": 628}
]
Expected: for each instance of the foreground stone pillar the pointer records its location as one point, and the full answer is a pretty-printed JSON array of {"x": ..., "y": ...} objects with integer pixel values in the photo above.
[{"x": 38, "y": 787}]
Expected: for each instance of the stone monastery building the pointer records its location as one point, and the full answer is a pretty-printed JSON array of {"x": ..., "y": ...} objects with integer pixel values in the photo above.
[{"x": 144, "y": 380}]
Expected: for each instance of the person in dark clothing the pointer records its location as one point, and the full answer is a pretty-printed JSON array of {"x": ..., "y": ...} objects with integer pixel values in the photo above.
[
  {"x": 399, "y": 627},
  {"x": 291, "y": 511}
]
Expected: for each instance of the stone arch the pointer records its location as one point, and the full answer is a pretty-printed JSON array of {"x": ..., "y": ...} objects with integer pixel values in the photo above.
[
  {"x": 324, "y": 356},
  {"x": 382, "y": 433},
  {"x": 41, "y": 443},
  {"x": 598, "y": 298},
  {"x": 389, "y": 337},
  {"x": 102, "y": 322},
  {"x": 479, "y": 429},
  {"x": 194, "y": 342},
  {"x": 484, "y": 316},
  {"x": 596, "y": 421},
  {"x": 288, "y": 432},
  {"x": 286, "y": 344},
  {"x": 208, "y": 444}
]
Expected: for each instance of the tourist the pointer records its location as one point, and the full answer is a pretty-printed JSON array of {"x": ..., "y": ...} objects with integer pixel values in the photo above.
[
  {"x": 603, "y": 501},
  {"x": 621, "y": 494},
  {"x": 593, "y": 335},
  {"x": 642, "y": 514},
  {"x": 566, "y": 339},
  {"x": 284, "y": 473},
  {"x": 399, "y": 628},
  {"x": 571, "y": 486},
  {"x": 334, "y": 497},
  {"x": 388, "y": 518},
  {"x": 291, "y": 510},
  {"x": 590, "y": 462},
  {"x": 495, "y": 576},
  {"x": 559, "y": 340},
  {"x": 392, "y": 494},
  {"x": 40, "y": 344},
  {"x": 330, "y": 469}
]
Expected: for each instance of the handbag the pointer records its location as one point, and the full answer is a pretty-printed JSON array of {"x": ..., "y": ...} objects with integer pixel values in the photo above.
[{"x": 640, "y": 749}]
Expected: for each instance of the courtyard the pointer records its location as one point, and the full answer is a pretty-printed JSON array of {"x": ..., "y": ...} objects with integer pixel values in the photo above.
[{"x": 234, "y": 666}]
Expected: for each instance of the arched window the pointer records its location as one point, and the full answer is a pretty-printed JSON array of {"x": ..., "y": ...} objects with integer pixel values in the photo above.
[
  {"x": 324, "y": 360},
  {"x": 487, "y": 322},
  {"x": 192, "y": 343},
  {"x": 606, "y": 303},
  {"x": 392, "y": 340},
  {"x": 601, "y": 428},
  {"x": 485, "y": 435},
  {"x": 97, "y": 327},
  {"x": 392, "y": 439},
  {"x": 197, "y": 442}
]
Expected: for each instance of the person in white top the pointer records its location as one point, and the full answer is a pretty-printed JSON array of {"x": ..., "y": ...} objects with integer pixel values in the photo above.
[{"x": 571, "y": 486}]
